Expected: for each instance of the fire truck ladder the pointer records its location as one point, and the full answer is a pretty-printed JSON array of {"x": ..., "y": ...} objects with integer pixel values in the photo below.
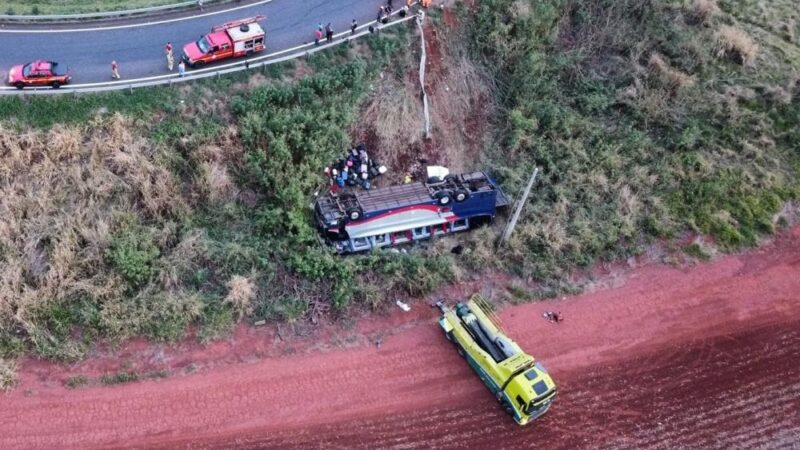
[{"x": 238, "y": 23}]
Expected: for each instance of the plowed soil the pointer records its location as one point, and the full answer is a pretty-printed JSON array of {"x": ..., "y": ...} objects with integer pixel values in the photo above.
[{"x": 705, "y": 357}]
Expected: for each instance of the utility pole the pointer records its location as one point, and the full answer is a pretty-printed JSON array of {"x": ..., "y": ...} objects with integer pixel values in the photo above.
[{"x": 513, "y": 222}]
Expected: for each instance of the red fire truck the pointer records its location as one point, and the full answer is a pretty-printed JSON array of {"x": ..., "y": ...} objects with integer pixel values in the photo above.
[{"x": 229, "y": 40}]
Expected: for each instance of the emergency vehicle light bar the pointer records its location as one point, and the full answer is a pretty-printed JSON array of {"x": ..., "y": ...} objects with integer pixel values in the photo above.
[{"x": 238, "y": 23}]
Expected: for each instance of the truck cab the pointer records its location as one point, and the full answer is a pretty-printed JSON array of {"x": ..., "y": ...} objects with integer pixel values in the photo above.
[
  {"x": 520, "y": 383},
  {"x": 232, "y": 39}
]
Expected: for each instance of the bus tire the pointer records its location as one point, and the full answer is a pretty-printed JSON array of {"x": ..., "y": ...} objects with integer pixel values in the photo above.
[
  {"x": 354, "y": 214},
  {"x": 462, "y": 195},
  {"x": 444, "y": 198}
]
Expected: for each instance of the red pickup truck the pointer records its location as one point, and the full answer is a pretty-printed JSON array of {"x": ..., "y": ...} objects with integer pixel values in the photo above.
[
  {"x": 229, "y": 40},
  {"x": 38, "y": 73}
]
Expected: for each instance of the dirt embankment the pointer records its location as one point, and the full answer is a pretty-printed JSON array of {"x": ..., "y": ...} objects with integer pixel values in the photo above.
[{"x": 701, "y": 358}]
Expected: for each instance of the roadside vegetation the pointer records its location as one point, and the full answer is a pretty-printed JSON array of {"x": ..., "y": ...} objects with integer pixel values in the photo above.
[
  {"x": 151, "y": 214},
  {"x": 36, "y": 7},
  {"x": 175, "y": 212},
  {"x": 649, "y": 119}
]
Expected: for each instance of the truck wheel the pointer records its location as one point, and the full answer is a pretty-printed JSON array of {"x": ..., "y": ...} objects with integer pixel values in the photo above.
[
  {"x": 56, "y": 85},
  {"x": 462, "y": 195},
  {"x": 460, "y": 351},
  {"x": 508, "y": 408},
  {"x": 19, "y": 85},
  {"x": 354, "y": 214},
  {"x": 443, "y": 197}
]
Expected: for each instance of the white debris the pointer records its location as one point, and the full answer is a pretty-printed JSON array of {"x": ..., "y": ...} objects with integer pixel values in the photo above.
[{"x": 403, "y": 306}]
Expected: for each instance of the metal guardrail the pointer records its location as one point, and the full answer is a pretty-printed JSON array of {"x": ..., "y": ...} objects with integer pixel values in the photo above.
[
  {"x": 217, "y": 71},
  {"x": 105, "y": 14}
]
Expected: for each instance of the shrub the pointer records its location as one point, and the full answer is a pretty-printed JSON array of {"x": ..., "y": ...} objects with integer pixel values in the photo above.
[
  {"x": 702, "y": 11},
  {"x": 119, "y": 378},
  {"x": 8, "y": 374},
  {"x": 698, "y": 251},
  {"x": 241, "y": 294},
  {"x": 76, "y": 381},
  {"x": 736, "y": 44},
  {"x": 216, "y": 322},
  {"x": 133, "y": 252}
]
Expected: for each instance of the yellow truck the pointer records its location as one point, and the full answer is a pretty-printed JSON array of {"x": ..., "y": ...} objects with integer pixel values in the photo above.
[{"x": 518, "y": 381}]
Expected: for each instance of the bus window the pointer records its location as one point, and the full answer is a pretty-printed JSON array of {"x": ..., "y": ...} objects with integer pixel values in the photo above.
[
  {"x": 461, "y": 224},
  {"x": 359, "y": 244}
]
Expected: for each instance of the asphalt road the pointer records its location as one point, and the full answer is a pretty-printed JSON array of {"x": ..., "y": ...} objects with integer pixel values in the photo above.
[{"x": 139, "y": 48}]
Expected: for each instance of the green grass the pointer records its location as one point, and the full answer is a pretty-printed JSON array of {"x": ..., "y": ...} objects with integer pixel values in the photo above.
[
  {"x": 631, "y": 149},
  {"x": 77, "y": 381},
  {"x": 25, "y": 7}
]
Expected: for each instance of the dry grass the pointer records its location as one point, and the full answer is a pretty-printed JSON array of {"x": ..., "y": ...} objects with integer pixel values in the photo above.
[
  {"x": 395, "y": 118},
  {"x": 702, "y": 11},
  {"x": 736, "y": 44},
  {"x": 670, "y": 76},
  {"x": 241, "y": 294},
  {"x": 61, "y": 193},
  {"x": 8, "y": 374},
  {"x": 461, "y": 104}
]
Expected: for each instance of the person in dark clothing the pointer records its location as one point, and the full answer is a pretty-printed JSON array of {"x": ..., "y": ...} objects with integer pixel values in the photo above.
[
  {"x": 329, "y": 32},
  {"x": 389, "y": 6},
  {"x": 353, "y": 27}
]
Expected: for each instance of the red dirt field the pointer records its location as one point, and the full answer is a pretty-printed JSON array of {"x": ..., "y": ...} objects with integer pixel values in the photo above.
[{"x": 706, "y": 357}]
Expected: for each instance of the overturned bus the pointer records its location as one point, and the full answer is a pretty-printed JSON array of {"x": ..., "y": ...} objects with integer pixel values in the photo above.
[{"x": 361, "y": 220}]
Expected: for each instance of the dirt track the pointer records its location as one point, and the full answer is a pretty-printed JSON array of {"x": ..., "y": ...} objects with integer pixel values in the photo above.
[{"x": 702, "y": 358}]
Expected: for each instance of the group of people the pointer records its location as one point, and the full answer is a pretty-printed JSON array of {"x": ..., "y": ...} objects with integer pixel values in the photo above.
[
  {"x": 170, "y": 63},
  {"x": 383, "y": 18},
  {"x": 355, "y": 169},
  {"x": 318, "y": 33}
]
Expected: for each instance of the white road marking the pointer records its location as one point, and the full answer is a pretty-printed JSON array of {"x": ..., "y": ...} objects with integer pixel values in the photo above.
[
  {"x": 126, "y": 83},
  {"x": 145, "y": 24}
]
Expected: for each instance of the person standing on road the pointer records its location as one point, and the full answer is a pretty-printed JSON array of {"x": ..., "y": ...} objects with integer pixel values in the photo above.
[
  {"x": 114, "y": 70},
  {"x": 317, "y": 35},
  {"x": 389, "y": 6},
  {"x": 329, "y": 32},
  {"x": 170, "y": 57},
  {"x": 353, "y": 27},
  {"x": 181, "y": 69}
]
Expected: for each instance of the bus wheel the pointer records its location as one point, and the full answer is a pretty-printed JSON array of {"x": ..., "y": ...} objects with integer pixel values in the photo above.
[
  {"x": 354, "y": 214},
  {"x": 462, "y": 195},
  {"x": 443, "y": 197}
]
